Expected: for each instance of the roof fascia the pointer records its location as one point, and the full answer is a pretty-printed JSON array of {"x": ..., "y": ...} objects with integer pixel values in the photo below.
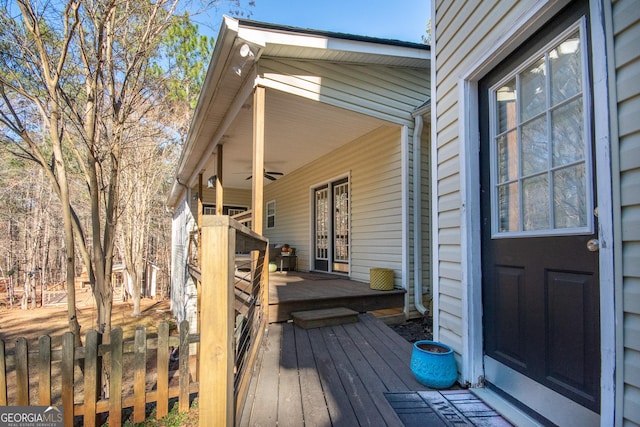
[{"x": 317, "y": 40}]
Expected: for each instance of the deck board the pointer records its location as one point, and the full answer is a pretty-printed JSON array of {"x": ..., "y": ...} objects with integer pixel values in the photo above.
[
  {"x": 265, "y": 400},
  {"x": 314, "y": 404},
  {"x": 397, "y": 360},
  {"x": 361, "y": 402},
  {"x": 289, "y": 393},
  {"x": 299, "y": 291},
  {"x": 375, "y": 386},
  {"x": 330, "y": 376},
  {"x": 338, "y": 402}
]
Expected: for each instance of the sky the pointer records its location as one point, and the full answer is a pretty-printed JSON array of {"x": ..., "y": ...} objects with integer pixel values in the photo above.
[{"x": 404, "y": 20}]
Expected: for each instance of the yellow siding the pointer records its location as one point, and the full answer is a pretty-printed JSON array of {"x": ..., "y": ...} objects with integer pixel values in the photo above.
[
  {"x": 626, "y": 27},
  {"x": 465, "y": 30},
  {"x": 425, "y": 174},
  {"x": 232, "y": 197},
  {"x": 373, "y": 164}
]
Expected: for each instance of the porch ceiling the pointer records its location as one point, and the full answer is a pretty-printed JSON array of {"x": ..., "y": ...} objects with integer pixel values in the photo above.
[{"x": 297, "y": 131}]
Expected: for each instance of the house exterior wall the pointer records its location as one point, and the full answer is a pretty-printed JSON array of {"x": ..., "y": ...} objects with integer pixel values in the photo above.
[
  {"x": 464, "y": 32},
  {"x": 373, "y": 165},
  {"x": 626, "y": 29},
  {"x": 232, "y": 197},
  {"x": 183, "y": 289},
  {"x": 425, "y": 212}
]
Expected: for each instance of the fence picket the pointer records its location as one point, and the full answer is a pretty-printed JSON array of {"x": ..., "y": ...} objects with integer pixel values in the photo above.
[
  {"x": 22, "y": 372},
  {"x": 139, "y": 376},
  {"x": 183, "y": 399},
  {"x": 162, "y": 406},
  {"x": 3, "y": 376},
  {"x": 92, "y": 373},
  {"x": 115, "y": 379},
  {"x": 68, "y": 353},
  {"x": 44, "y": 370},
  {"x": 92, "y": 357}
]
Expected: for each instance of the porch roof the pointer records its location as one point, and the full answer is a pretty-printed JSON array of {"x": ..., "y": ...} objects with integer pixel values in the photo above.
[{"x": 223, "y": 114}]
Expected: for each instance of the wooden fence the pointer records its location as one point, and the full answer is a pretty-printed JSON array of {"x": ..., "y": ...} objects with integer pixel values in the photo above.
[{"x": 72, "y": 377}]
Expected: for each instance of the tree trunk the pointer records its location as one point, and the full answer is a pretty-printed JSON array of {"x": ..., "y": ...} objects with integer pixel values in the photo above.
[
  {"x": 136, "y": 288},
  {"x": 105, "y": 305}
]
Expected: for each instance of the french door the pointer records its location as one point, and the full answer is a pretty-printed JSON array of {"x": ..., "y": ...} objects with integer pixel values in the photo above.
[{"x": 331, "y": 227}]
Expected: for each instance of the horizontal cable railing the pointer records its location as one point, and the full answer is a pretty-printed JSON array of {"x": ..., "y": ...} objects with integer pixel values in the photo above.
[{"x": 234, "y": 298}]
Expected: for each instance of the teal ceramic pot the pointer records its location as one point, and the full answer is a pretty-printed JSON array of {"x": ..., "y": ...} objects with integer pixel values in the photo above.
[{"x": 433, "y": 364}]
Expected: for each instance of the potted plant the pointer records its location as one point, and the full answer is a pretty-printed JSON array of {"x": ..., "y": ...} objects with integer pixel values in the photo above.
[
  {"x": 433, "y": 364},
  {"x": 285, "y": 250}
]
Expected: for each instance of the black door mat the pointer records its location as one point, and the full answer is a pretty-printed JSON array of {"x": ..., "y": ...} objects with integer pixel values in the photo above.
[{"x": 444, "y": 408}]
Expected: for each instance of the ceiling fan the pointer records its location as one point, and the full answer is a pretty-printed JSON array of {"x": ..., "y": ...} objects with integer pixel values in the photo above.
[{"x": 270, "y": 175}]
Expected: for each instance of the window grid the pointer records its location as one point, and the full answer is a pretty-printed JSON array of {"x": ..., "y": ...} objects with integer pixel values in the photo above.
[
  {"x": 271, "y": 214},
  {"x": 322, "y": 226},
  {"x": 510, "y": 216}
]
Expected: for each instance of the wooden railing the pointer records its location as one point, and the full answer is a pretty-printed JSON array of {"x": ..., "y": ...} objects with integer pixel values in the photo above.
[
  {"x": 244, "y": 217},
  {"x": 233, "y": 315},
  {"x": 72, "y": 377}
]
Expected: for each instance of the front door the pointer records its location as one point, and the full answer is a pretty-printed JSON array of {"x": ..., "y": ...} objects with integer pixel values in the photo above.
[
  {"x": 539, "y": 220},
  {"x": 331, "y": 227}
]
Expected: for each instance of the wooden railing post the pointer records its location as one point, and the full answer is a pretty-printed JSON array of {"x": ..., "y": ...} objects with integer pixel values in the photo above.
[{"x": 216, "y": 399}]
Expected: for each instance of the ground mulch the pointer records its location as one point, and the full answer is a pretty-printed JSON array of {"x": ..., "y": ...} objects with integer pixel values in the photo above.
[{"x": 415, "y": 329}]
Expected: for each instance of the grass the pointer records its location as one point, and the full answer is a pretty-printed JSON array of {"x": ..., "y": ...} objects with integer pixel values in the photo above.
[{"x": 174, "y": 418}]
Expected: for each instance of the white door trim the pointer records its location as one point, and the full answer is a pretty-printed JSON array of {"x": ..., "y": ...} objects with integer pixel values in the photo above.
[{"x": 472, "y": 357}]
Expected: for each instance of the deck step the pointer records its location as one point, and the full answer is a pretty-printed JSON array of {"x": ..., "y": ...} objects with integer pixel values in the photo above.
[{"x": 325, "y": 317}]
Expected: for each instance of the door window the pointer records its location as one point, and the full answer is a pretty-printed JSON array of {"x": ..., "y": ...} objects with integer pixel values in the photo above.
[
  {"x": 540, "y": 150},
  {"x": 322, "y": 223}
]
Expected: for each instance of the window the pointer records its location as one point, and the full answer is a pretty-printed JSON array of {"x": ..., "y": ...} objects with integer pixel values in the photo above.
[
  {"x": 271, "y": 214},
  {"x": 209, "y": 209},
  {"x": 540, "y": 143}
]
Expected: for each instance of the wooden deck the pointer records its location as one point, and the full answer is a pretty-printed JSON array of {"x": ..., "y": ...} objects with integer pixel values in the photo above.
[
  {"x": 332, "y": 376},
  {"x": 299, "y": 291}
]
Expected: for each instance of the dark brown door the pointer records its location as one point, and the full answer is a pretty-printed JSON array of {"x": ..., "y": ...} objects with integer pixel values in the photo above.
[{"x": 539, "y": 218}]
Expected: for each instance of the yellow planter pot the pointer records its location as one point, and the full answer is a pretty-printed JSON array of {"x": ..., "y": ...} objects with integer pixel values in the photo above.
[{"x": 381, "y": 279}]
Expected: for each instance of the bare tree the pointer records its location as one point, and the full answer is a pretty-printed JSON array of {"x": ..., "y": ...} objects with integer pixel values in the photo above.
[
  {"x": 81, "y": 68},
  {"x": 146, "y": 167},
  {"x": 78, "y": 81}
]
